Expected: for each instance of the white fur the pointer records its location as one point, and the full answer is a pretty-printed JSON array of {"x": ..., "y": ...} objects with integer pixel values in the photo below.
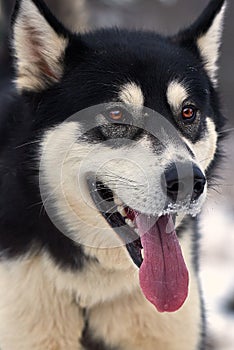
[
  {"x": 205, "y": 148},
  {"x": 33, "y": 314},
  {"x": 132, "y": 94},
  {"x": 176, "y": 95},
  {"x": 210, "y": 42},
  {"x": 38, "y": 49}
]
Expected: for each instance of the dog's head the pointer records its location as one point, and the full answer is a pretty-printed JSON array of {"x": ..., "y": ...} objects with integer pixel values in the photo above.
[{"x": 128, "y": 123}]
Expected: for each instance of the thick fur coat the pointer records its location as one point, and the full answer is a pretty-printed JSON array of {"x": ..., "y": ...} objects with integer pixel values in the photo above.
[{"x": 68, "y": 278}]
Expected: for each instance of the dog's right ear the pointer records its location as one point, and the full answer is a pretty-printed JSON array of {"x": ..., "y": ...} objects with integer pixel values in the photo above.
[
  {"x": 204, "y": 35},
  {"x": 39, "y": 44}
]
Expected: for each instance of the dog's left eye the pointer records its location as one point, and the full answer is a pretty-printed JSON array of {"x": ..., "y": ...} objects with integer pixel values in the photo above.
[
  {"x": 115, "y": 114},
  {"x": 189, "y": 113}
]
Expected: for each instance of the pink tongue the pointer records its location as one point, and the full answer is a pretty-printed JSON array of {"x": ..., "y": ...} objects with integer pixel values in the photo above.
[{"x": 163, "y": 274}]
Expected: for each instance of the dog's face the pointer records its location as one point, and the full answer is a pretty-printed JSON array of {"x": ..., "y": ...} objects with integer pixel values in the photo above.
[{"x": 128, "y": 131}]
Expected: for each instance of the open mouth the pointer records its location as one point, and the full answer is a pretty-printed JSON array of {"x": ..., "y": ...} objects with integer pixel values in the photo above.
[
  {"x": 152, "y": 244},
  {"x": 120, "y": 217}
]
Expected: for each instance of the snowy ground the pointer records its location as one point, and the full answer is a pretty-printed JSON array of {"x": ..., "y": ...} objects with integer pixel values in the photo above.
[
  {"x": 217, "y": 272},
  {"x": 217, "y": 261}
]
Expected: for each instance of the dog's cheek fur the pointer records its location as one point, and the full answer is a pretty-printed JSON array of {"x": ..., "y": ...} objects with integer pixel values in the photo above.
[
  {"x": 70, "y": 205},
  {"x": 38, "y": 49},
  {"x": 61, "y": 159},
  {"x": 205, "y": 149}
]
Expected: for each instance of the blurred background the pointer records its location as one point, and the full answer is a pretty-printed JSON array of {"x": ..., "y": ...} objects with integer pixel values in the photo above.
[{"x": 217, "y": 225}]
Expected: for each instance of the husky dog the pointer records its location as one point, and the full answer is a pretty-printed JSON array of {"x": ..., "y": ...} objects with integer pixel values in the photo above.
[{"x": 107, "y": 149}]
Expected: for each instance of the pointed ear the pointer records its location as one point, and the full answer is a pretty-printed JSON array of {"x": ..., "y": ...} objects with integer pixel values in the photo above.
[
  {"x": 39, "y": 43},
  {"x": 205, "y": 35}
]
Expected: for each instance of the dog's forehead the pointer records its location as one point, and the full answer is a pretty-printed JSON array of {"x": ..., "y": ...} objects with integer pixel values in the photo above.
[
  {"x": 176, "y": 92},
  {"x": 134, "y": 68},
  {"x": 156, "y": 75},
  {"x": 140, "y": 54}
]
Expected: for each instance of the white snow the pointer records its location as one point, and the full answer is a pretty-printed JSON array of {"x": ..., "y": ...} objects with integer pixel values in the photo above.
[{"x": 217, "y": 271}]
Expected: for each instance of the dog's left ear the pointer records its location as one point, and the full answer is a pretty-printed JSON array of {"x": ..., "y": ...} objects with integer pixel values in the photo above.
[
  {"x": 205, "y": 35},
  {"x": 39, "y": 42}
]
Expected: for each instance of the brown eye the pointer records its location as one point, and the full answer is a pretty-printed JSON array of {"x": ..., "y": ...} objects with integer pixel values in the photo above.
[
  {"x": 116, "y": 114},
  {"x": 189, "y": 113}
]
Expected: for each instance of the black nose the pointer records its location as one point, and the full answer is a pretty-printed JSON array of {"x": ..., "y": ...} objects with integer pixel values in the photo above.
[{"x": 183, "y": 181}]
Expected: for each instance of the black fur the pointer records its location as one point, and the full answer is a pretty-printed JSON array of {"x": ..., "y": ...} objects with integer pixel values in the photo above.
[
  {"x": 24, "y": 225},
  {"x": 89, "y": 343}
]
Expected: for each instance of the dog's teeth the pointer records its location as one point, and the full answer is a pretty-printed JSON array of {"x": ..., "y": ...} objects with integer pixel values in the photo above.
[
  {"x": 129, "y": 223},
  {"x": 142, "y": 253},
  {"x": 121, "y": 210},
  {"x": 118, "y": 201}
]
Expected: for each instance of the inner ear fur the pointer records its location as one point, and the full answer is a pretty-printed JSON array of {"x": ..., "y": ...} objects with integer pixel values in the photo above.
[{"x": 39, "y": 43}]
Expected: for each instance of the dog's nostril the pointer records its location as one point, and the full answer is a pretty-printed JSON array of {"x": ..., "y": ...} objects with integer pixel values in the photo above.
[
  {"x": 175, "y": 186},
  {"x": 172, "y": 183},
  {"x": 199, "y": 185},
  {"x": 191, "y": 182}
]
